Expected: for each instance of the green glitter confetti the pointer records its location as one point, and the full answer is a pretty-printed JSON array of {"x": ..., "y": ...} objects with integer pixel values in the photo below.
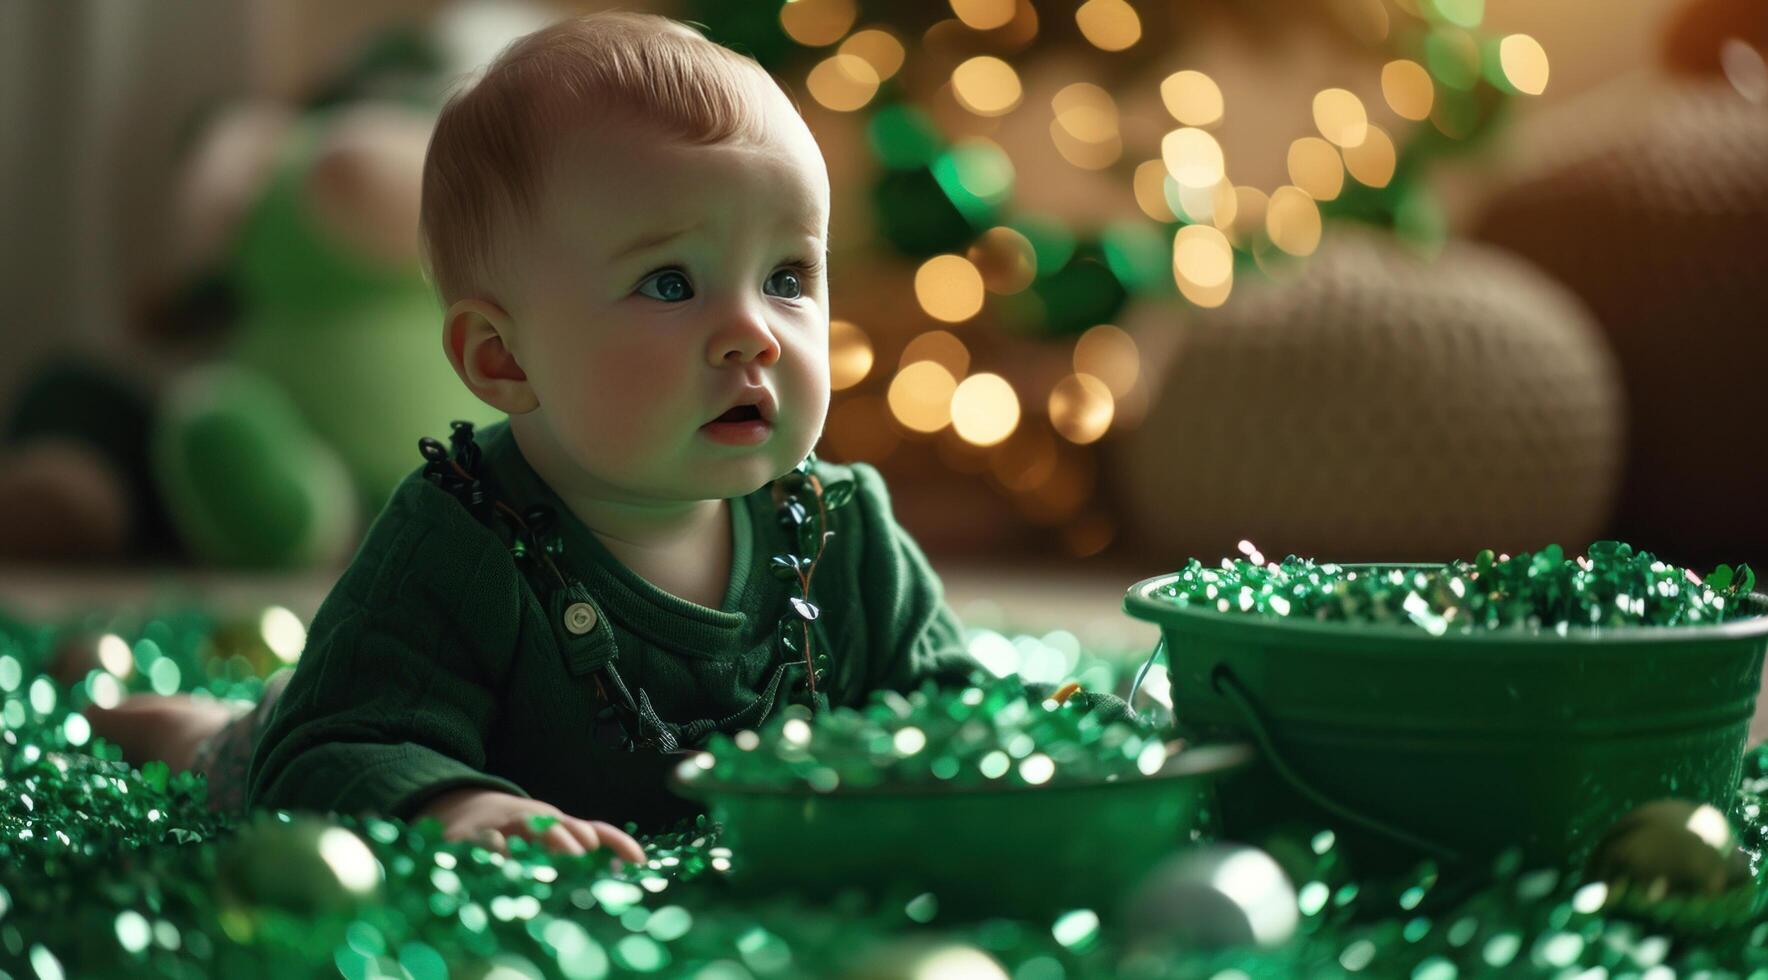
[
  {"x": 1614, "y": 586},
  {"x": 107, "y": 870}
]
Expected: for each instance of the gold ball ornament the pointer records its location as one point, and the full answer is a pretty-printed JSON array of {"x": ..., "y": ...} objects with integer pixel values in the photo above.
[
  {"x": 1675, "y": 862},
  {"x": 1670, "y": 847},
  {"x": 301, "y": 866}
]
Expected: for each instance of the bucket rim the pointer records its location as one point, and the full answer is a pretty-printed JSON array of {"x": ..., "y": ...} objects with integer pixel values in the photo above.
[
  {"x": 1138, "y": 603},
  {"x": 1205, "y": 761}
]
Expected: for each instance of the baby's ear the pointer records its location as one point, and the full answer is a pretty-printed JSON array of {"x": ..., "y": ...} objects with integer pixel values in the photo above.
[{"x": 474, "y": 336}]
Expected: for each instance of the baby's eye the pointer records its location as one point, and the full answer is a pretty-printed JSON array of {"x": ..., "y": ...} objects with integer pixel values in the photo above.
[
  {"x": 788, "y": 282},
  {"x": 671, "y": 286}
]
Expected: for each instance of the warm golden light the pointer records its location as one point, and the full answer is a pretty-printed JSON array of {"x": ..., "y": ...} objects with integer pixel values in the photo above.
[
  {"x": 1192, "y": 97},
  {"x": 984, "y": 15},
  {"x": 1150, "y": 187},
  {"x": 1293, "y": 221},
  {"x": 879, "y": 48},
  {"x": 949, "y": 288},
  {"x": 1109, "y": 25},
  {"x": 1203, "y": 264},
  {"x": 942, "y": 348},
  {"x": 1085, "y": 126},
  {"x": 816, "y": 23},
  {"x": 1340, "y": 116},
  {"x": 1193, "y": 157},
  {"x": 920, "y": 396},
  {"x": 1524, "y": 62},
  {"x": 1372, "y": 161},
  {"x": 987, "y": 86},
  {"x": 850, "y": 355},
  {"x": 1408, "y": 88},
  {"x": 1109, "y": 353},
  {"x": 843, "y": 82},
  {"x": 1249, "y": 213},
  {"x": 1314, "y": 167},
  {"x": 1081, "y": 407},
  {"x": 1214, "y": 205},
  {"x": 985, "y": 410},
  {"x": 1086, "y": 111},
  {"x": 1005, "y": 259}
]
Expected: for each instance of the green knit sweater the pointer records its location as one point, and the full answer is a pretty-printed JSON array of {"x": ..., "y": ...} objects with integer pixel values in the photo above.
[{"x": 433, "y": 663}]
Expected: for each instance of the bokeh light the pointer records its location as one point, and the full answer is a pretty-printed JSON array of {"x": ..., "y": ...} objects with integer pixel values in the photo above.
[
  {"x": 1745, "y": 69},
  {"x": 987, "y": 86},
  {"x": 984, "y": 409},
  {"x": 920, "y": 396},
  {"x": 1203, "y": 264},
  {"x": 984, "y": 15},
  {"x": 1452, "y": 55},
  {"x": 1149, "y": 185},
  {"x": 283, "y": 633},
  {"x": 817, "y": 23},
  {"x": 1109, "y": 353},
  {"x": 1085, "y": 127},
  {"x": 1212, "y": 205},
  {"x": 843, "y": 82},
  {"x": 1293, "y": 221},
  {"x": 1109, "y": 25},
  {"x": 1524, "y": 62},
  {"x": 1193, "y": 157},
  {"x": 1314, "y": 166},
  {"x": 1192, "y": 97},
  {"x": 949, "y": 288},
  {"x": 1340, "y": 116},
  {"x": 879, "y": 48},
  {"x": 1250, "y": 205},
  {"x": 850, "y": 354},
  {"x": 1081, "y": 407},
  {"x": 942, "y": 348},
  {"x": 115, "y": 656},
  {"x": 1005, "y": 258},
  {"x": 1408, "y": 89},
  {"x": 1372, "y": 161}
]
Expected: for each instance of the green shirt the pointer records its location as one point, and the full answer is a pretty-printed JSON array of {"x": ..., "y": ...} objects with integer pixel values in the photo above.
[{"x": 433, "y": 663}]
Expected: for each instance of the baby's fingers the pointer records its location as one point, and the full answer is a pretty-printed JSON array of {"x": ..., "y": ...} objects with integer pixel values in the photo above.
[
  {"x": 487, "y": 837},
  {"x": 618, "y": 841}
]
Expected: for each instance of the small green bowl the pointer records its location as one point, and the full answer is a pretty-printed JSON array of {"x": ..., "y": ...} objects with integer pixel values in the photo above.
[
  {"x": 1007, "y": 850},
  {"x": 1464, "y": 744}
]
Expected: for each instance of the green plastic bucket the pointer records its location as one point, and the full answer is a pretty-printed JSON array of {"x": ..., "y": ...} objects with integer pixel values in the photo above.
[
  {"x": 1011, "y": 850},
  {"x": 1461, "y": 745}
]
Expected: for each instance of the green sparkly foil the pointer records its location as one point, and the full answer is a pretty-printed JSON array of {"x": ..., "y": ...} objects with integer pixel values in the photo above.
[
  {"x": 995, "y": 733},
  {"x": 1614, "y": 585},
  {"x": 109, "y": 871}
]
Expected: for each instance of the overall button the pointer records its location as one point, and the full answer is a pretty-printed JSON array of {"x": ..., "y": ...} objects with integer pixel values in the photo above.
[{"x": 579, "y": 618}]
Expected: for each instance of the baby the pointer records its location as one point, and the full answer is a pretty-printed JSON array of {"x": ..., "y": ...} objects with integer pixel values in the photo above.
[{"x": 627, "y": 225}]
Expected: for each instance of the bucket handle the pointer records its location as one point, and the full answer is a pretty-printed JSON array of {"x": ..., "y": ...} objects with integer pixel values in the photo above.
[{"x": 1229, "y": 686}]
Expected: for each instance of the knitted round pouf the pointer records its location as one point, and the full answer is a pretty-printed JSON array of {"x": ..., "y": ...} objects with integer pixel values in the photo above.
[
  {"x": 1655, "y": 216},
  {"x": 1376, "y": 406}
]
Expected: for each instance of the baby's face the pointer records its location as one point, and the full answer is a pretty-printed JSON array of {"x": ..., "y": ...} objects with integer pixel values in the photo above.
[{"x": 664, "y": 280}]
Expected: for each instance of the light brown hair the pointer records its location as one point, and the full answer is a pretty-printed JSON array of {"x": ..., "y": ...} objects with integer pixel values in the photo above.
[{"x": 494, "y": 140}]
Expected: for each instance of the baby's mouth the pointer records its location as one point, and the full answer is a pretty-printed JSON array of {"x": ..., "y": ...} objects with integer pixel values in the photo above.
[{"x": 741, "y": 413}]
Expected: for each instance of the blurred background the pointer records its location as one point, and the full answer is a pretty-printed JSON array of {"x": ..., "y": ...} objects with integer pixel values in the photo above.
[{"x": 1115, "y": 283}]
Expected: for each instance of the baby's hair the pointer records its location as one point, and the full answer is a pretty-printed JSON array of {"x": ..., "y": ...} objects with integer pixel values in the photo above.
[{"x": 495, "y": 139}]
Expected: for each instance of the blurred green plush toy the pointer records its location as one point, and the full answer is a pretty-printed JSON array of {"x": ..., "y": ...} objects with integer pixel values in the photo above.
[
  {"x": 272, "y": 454},
  {"x": 335, "y": 369}
]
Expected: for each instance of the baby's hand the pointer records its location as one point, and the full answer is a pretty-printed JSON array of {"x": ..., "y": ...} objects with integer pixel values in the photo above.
[{"x": 488, "y": 816}]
